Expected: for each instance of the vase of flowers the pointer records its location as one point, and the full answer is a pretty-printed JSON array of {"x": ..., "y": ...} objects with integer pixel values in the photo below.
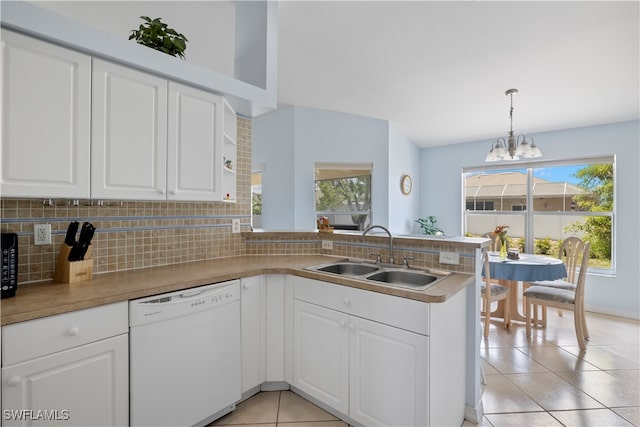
[{"x": 501, "y": 232}]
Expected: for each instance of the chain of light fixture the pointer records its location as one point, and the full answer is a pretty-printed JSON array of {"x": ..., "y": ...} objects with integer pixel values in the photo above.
[{"x": 513, "y": 147}]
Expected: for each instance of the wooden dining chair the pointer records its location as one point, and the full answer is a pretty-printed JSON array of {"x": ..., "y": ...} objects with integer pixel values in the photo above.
[
  {"x": 570, "y": 252},
  {"x": 494, "y": 241},
  {"x": 491, "y": 292},
  {"x": 564, "y": 299}
]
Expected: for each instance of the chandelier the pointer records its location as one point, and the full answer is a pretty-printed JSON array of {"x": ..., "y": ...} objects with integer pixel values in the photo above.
[{"x": 513, "y": 147}]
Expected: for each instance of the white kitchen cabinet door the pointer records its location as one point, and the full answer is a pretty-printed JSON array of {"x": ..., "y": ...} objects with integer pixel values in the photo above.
[
  {"x": 83, "y": 386},
  {"x": 252, "y": 324},
  {"x": 195, "y": 160},
  {"x": 321, "y": 354},
  {"x": 388, "y": 375},
  {"x": 46, "y": 104},
  {"x": 129, "y": 133}
]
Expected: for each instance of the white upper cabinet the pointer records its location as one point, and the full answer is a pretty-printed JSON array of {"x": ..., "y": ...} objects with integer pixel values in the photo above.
[
  {"x": 229, "y": 153},
  {"x": 77, "y": 127},
  {"x": 129, "y": 134},
  {"x": 195, "y": 144},
  {"x": 46, "y": 104}
]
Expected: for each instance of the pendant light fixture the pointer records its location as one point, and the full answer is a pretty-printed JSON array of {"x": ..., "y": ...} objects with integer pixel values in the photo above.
[{"x": 513, "y": 147}]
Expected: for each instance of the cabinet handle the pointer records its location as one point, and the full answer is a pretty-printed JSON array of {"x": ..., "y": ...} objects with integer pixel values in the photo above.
[
  {"x": 343, "y": 323},
  {"x": 14, "y": 381},
  {"x": 347, "y": 301},
  {"x": 73, "y": 331},
  {"x": 352, "y": 328},
  {"x": 245, "y": 286}
]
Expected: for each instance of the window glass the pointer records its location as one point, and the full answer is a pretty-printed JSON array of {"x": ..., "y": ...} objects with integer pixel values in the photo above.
[
  {"x": 256, "y": 199},
  {"x": 343, "y": 195},
  {"x": 578, "y": 201},
  {"x": 568, "y": 198}
]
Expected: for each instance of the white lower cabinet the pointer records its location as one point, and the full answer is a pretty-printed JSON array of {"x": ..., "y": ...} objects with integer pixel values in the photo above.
[
  {"x": 252, "y": 331},
  {"x": 67, "y": 370},
  {"x": 377, "y": 359},
  {"x": 374, "y": 373},
  {"x": 387, "y": 375},
  {"x": 321, "y": 354}
]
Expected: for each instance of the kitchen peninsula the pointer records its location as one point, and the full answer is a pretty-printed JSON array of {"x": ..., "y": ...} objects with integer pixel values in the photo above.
[{"x": 289, "y": 290}]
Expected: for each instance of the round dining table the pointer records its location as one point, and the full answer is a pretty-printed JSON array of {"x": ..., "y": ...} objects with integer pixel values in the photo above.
[{"x": 527, "y": 268}]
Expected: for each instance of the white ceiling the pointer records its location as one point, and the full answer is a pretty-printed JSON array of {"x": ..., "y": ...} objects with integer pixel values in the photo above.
[{"x": 439, "y": 70}]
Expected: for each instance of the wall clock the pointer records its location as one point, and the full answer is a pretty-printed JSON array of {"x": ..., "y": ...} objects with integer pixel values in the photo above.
[{"x": 406, "y": 184}]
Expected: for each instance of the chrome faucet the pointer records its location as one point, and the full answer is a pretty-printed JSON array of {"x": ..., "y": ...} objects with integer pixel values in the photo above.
[{"x": 390, "y": 239}]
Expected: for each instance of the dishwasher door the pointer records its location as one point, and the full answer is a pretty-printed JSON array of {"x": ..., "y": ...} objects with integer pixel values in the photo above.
[{"x": 185, "y": 356}]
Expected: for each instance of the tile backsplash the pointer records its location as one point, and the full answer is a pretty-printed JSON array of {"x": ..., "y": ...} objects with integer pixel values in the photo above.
[
  {"x": 420, "y": 252},
  {"x": 135, "y": 234}
]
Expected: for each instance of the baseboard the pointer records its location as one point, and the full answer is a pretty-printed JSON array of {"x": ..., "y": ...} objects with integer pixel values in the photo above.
[
  {"x": 613, "y": 312},
  {"x": 274, "y": 386},
  {"x": 472, "y": 414}
]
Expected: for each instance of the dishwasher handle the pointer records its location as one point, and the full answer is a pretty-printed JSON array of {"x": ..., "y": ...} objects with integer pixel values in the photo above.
[{"x": 190, "y": 294}]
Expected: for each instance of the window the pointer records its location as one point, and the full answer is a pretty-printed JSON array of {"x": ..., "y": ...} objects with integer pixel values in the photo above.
[
  {"x": 256, "y": 199},
  {"x": 568, "y": 198},
  {"x": 343, "y": 195},
  {"x": 480, "y": 205}
]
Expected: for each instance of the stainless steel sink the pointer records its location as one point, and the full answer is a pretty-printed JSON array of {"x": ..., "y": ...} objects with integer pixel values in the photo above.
[
  {"x": 403, "y": 278},
  {"x": 383, "y": 274},
  {"x": 349, "y": 268}
]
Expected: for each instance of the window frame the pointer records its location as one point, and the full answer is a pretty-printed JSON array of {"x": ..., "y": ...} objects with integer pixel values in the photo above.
[
  {"x": 529, "y": 214},
  {"x": 342, "y": 169}
]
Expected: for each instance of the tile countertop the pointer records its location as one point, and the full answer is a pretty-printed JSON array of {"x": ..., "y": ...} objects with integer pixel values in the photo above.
[{"x": 43, "y": 299}]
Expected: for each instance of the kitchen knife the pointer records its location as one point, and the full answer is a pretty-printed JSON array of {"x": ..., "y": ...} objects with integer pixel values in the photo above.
[
  {"x": 82, "y": 245},
  {"x": 70, "y": 238},
  {"x": 86, "y": 234}
]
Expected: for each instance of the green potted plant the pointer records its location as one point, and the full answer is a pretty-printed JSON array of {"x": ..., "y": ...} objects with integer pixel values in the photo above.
[
  {"x": 428, "y": 224},
  {"x": 157, "y": 35}
]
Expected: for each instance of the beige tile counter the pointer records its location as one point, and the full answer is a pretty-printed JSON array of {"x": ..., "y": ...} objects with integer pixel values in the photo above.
[{"x": 42, "y": 299}]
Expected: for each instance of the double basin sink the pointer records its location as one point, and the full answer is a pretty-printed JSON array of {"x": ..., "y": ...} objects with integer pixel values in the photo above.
[{"x": 386, "y": 274}]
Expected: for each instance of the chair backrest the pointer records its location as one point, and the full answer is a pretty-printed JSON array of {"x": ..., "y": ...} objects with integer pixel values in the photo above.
[
  {"x": 487, "y": 268},
  {"x": 571, "y": 252},
  {"x": 582, "y": 275},
  {"x": 494, "y": 241}
]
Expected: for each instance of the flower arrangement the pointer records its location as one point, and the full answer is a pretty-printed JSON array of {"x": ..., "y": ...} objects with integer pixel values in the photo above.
[{"x": 501, "y": 232}]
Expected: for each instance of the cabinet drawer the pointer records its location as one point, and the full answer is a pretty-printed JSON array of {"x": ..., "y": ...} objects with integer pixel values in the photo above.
[
  {"x": 388, "y": 309},
  {"x": 35, "y": 338}
]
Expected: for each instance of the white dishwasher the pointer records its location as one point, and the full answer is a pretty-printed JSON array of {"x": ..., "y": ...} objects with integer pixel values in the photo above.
[{"x": 185, "y": 356}]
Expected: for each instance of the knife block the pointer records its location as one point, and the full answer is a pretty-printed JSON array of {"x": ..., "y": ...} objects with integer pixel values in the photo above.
[{"x": 68, "y": 271}]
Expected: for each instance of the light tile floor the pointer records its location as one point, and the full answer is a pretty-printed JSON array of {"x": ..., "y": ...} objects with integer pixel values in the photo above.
[
  {"x": 278, "y": 408},
  {"x": 542, "y": 382},
  {"x": 548, "y": 381}
]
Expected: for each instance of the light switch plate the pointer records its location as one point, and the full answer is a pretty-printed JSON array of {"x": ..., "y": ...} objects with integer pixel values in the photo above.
[
  {"x": 327, "y": 244},
  {"x": 235, "y": 225},
  {"x": 452, "y": 258}
]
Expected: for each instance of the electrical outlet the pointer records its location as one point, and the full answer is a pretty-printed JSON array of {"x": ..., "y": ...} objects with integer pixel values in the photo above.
[
  {"x": 42, "y": 234},
  {"x": 235, "y": 225},
  {"x": 327, "y": 244},
  {"x": 452, "y": 258}
]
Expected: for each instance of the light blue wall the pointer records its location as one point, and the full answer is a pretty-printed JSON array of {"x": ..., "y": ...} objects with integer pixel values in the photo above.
[
  {"x": 441, "y": 195},
  {"x": 273, "y": 149},
  {"x": 404, "y": 158},
  {"x": 291, "y": 140}
]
